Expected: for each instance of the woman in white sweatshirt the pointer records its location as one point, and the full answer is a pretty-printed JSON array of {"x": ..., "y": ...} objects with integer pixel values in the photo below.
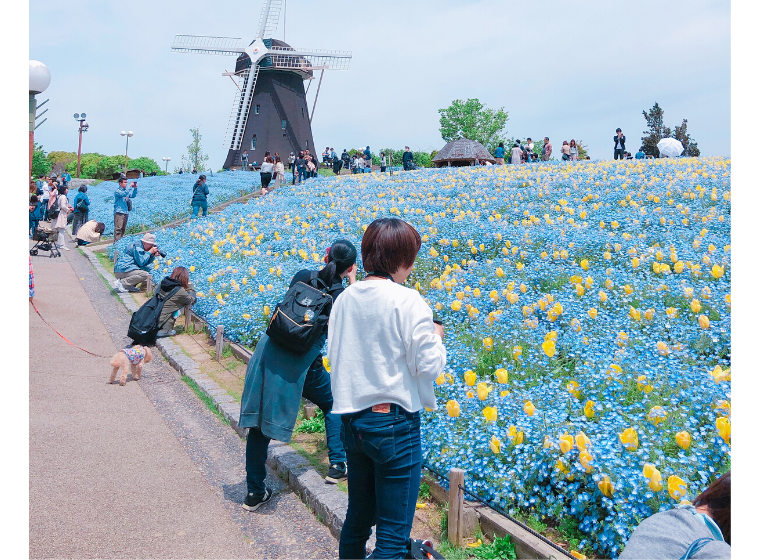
[{"x": 384, "y": 351}]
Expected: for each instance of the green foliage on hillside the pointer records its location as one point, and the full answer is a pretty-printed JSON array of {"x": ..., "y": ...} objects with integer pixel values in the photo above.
[{"x": 40, "y": 163}]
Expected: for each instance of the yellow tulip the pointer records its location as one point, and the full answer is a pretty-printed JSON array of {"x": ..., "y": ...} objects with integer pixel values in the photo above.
[
  {"x": 469, "y": 394},
  {"x": 676, "y": 487},
  {"x": 719, "y": 374},
  {"x": 584, "y": 264},
  {"x": 602, "y": 296},
  {"x": 502, "y": 375},
  {"x": 528, "y": 408},
  {"x": 549, "y": 348},
  {"x": 723, "y": 408},
  {"x": 192, "y": 268},
  {"x": 267, "y": 310},
  {"x": 326, "y": 363},
  {"x": 592, "y": 313},
  {"x": 490, "y": 413},
  {"x": 440, "y": 380},
  {"x": 678, "y": 267},
  {"x": 582, "y": 441},
  {"x": 704, "y": 322},
  {"x": 671, "y": 312},
  {"x": 470, "y": 377},
  {"x": 649, "y": 314},
  {"x": 488, "y": 344},
  {"x": 579, "y": 290},
  {"x": 683, "y": 439},
  {"x": 566, "y": 443},
  {"x": 456, "y": 305},
  {"x": 635, "y": 262},
  {"x": 577, "y": 555},
  {"x": 483, "y": 390},
  {"x": 500, "y": 272},
  {"x": 452, "y": 407},
  {"x": 585, "y": 459},
  {"x": 653, "y": 476},
  {"x": 723, "y": 425},
  {"x": 696, "y": 307},
  {"x": 634, "y": 313},
  {"x": 628, "y": 289},
  {"x": 517, "y": 353},
  {"x": 717, "y": 271},
  {"x": 630, "y": 439},
  {"x": 606, "y": 487},
  {"x": 657, "y": 415},
  {"x": 588, "y": 409},
  {"x": 495, "y": 445}
]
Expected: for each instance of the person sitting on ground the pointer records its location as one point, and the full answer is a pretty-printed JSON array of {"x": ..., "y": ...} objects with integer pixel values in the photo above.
[
  {"x": 132, "y": 264},
  {"x": 640, "y": 154},
  {"x": 702, "y": 530},
  {"x": 199, "y": 201},
  {"x": 277, "y": 378},
  {"x": 35, "y": 213},
  {"x": 90, "y": 232},
  {"x": 385, "y": 351},
  {"x": 179, "y": 278}
]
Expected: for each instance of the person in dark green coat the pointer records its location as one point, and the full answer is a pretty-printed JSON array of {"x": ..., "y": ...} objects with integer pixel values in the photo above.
[
  {"x": 200, "y": 192},
  {"x": 276, "y": 379}
]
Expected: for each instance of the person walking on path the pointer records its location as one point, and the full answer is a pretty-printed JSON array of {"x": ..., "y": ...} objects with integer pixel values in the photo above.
[
  {"x": 131, "y": 267},
  {"x": 122, "y": 203},
  {"x": 199, "y": 201},
  {"x": 619, "y": 144},
  {"x": 499, "y": 153},
  {"x": 547, "y": 155},
  {"x": 180, "y": 277},
  {"x": 283, "y": 377},
  {"x": 384, "y": 351},
  {"x": 81, "y": 209},
  {"x": 279, "y": 171},
  {"x": 63, "y": 216},
  {"x": 573, "y": 150}
]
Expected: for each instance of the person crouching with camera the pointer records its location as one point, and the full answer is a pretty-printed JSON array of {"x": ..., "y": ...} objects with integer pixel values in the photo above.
[
  {"x": 384, "y": 351},
  {"x": 132, "y": 264},
  {"x": 278, "y": 375}
]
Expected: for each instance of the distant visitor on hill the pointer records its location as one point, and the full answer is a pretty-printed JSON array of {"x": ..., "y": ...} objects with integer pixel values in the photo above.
[
  {"x": 547, "y": 155},
  {"x": 199, "y": 201},
  {"x": 122, "y": 204},
  {"x": 619, "y": 140},
  {"x": 408, "y": 159},
  {"x": 499, "y": 153},
  {"x": 517, "y": 153}
]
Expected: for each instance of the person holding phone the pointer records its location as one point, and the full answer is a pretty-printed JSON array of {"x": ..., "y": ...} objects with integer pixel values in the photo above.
[
  {"x": 122, "y": 205},
  {"x": 384, "y": 351}
]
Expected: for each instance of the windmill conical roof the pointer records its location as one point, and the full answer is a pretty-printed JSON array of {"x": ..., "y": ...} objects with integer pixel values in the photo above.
[{"x": 463, "y": 149}]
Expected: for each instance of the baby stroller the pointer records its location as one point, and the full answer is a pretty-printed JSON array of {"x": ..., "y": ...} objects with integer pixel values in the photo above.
[{"x": 46, "y": 238}]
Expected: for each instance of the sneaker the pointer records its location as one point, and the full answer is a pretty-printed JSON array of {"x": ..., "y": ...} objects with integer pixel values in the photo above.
[
  {"x": 252, "y": 503},
  {"x": 336, "y": 473},
  {"x": 65, "y": 248},
  {"x": 133, "y": 289},
  {"x": 117, "y": 285},
  {"x": 164, "y": 334}
]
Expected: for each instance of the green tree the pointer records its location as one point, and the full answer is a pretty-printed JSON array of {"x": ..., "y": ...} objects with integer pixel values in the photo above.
[
  {"x": 89, "y": 165},
  {"x": 472, "y": 120},
  {"x": 148, "y": 165},
  {"x": 195, "y": 157},
  {"x": 656, "y": 131},
  {"x": 690, "y": 146},
  {"x": 40, "y": 163}
]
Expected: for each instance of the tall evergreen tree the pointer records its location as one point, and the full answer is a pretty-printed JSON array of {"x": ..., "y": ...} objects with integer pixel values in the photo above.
[{"x": 656, "y": 131}]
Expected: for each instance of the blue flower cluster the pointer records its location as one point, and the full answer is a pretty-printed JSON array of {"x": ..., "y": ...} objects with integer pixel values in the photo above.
[
  {"x": 161, "y": 200},
  {"x": 587, "y": 312}
]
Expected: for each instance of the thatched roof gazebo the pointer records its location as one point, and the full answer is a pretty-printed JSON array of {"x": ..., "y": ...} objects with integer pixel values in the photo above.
[{"x": 462, "y": 152}]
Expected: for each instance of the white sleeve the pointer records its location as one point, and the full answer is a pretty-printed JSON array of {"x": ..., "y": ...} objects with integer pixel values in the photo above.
[{"x": 425, "y": 353}]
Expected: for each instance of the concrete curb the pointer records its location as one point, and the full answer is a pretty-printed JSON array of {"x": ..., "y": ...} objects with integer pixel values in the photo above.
[{"x": 325, "y": 500}]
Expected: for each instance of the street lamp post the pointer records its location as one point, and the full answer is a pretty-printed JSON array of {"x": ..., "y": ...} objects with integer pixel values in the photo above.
[
  {"x": 167, "y": 159},
  {"x": 126, "y": 151},
  {"x": 39, "y": 80},
  {"x": 83, "y": 126}
]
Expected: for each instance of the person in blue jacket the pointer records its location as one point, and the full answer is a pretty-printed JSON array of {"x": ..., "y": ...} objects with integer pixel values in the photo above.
[
  {"x": 81, "y": 210},
  {"x": 640, "y": 154},
  {"x": 35, "y": 213},
  {"x": 199, "y": 201},
  {"x": 121, "y": 208},
  {"x": 132, "y": 264},
  {"x": 276, "y": 379}
]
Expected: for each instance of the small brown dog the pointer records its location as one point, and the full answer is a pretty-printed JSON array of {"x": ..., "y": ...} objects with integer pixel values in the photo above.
[{"x": 133, "y": 357}]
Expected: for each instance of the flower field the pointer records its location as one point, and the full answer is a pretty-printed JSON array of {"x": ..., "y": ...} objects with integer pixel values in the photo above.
[
  {"x": 587, "y": 313},
  {"x": 161, "y": 200}
]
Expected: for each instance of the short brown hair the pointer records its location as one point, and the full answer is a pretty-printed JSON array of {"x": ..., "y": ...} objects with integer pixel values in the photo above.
[
  {"x": 181, "y": 275},
  {"x": 717, "y": 498},
  {"x": 389, "y": 244}
]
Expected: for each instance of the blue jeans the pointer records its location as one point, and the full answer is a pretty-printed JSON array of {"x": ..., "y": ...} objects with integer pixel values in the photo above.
[
  {"x": 317, "y": 389},
  {"x": 301, "y": 174},
  {"x": 198, "y": 206},
  {"x": 384, "y": 469}
]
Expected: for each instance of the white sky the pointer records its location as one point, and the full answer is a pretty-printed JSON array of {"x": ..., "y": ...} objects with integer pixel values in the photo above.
[{"x": 566, "y": 70}]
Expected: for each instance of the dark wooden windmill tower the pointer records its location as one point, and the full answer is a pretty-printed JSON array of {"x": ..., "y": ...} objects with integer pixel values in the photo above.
[{"x": 269, "y": 111}]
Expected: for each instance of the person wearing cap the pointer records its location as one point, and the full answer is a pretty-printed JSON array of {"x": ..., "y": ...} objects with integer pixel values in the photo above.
[
  {"x": 121, "y": 208},
  {"x": 132, "y": 264}
]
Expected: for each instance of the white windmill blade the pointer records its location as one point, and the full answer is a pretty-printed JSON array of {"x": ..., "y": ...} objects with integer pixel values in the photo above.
[
  {"x": 202, "y": 44},
  {"x": 270, "y": 17},
  {"x": 240, "y": 108},
  {"x": 308, "y": 59}
]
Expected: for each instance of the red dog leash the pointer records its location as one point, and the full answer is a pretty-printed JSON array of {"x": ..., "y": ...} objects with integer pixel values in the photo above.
[{"x": 63, "y": 337}]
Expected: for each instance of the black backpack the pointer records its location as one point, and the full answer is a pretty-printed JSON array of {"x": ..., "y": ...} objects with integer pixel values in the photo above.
[
  {"x": 301, "y": 317},
  {"x": 54, "y": 210},
  {"x": 144, "y": 324}
]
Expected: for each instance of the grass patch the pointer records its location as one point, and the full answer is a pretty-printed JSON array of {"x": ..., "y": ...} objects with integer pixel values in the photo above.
[
  {"x": 314, "y": 425},
  {"x": 205, "y": 398}
]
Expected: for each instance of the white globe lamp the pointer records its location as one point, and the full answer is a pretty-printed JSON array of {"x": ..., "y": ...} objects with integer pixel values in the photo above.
[{"x": 39, "y": 77}]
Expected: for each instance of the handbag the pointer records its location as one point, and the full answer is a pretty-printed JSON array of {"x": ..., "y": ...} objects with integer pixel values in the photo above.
[
  {"x": 129, "y": 204},
  {"x": 82, "y": 205}
]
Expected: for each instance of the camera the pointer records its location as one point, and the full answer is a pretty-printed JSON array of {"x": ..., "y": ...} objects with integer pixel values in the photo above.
[
  {"x": 161, "y": 253},
  {"x": 437, "y": 319}
]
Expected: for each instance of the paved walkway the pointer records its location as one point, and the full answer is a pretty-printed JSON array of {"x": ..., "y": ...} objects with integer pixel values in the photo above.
[{"x": 141, "y": 471}]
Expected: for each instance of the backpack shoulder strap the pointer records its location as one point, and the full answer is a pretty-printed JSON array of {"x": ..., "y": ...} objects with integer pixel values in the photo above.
[
  {"x": 169, "y": 295},
  {"x": 315, "y": 276},
  {"x": 695, "y": 547}
]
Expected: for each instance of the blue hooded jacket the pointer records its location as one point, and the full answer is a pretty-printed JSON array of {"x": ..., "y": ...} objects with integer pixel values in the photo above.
[{"x": 133, "y": 257}]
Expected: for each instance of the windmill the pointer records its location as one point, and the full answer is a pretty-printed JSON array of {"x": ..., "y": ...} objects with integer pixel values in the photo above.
[{"x": 269, "y": 111}]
